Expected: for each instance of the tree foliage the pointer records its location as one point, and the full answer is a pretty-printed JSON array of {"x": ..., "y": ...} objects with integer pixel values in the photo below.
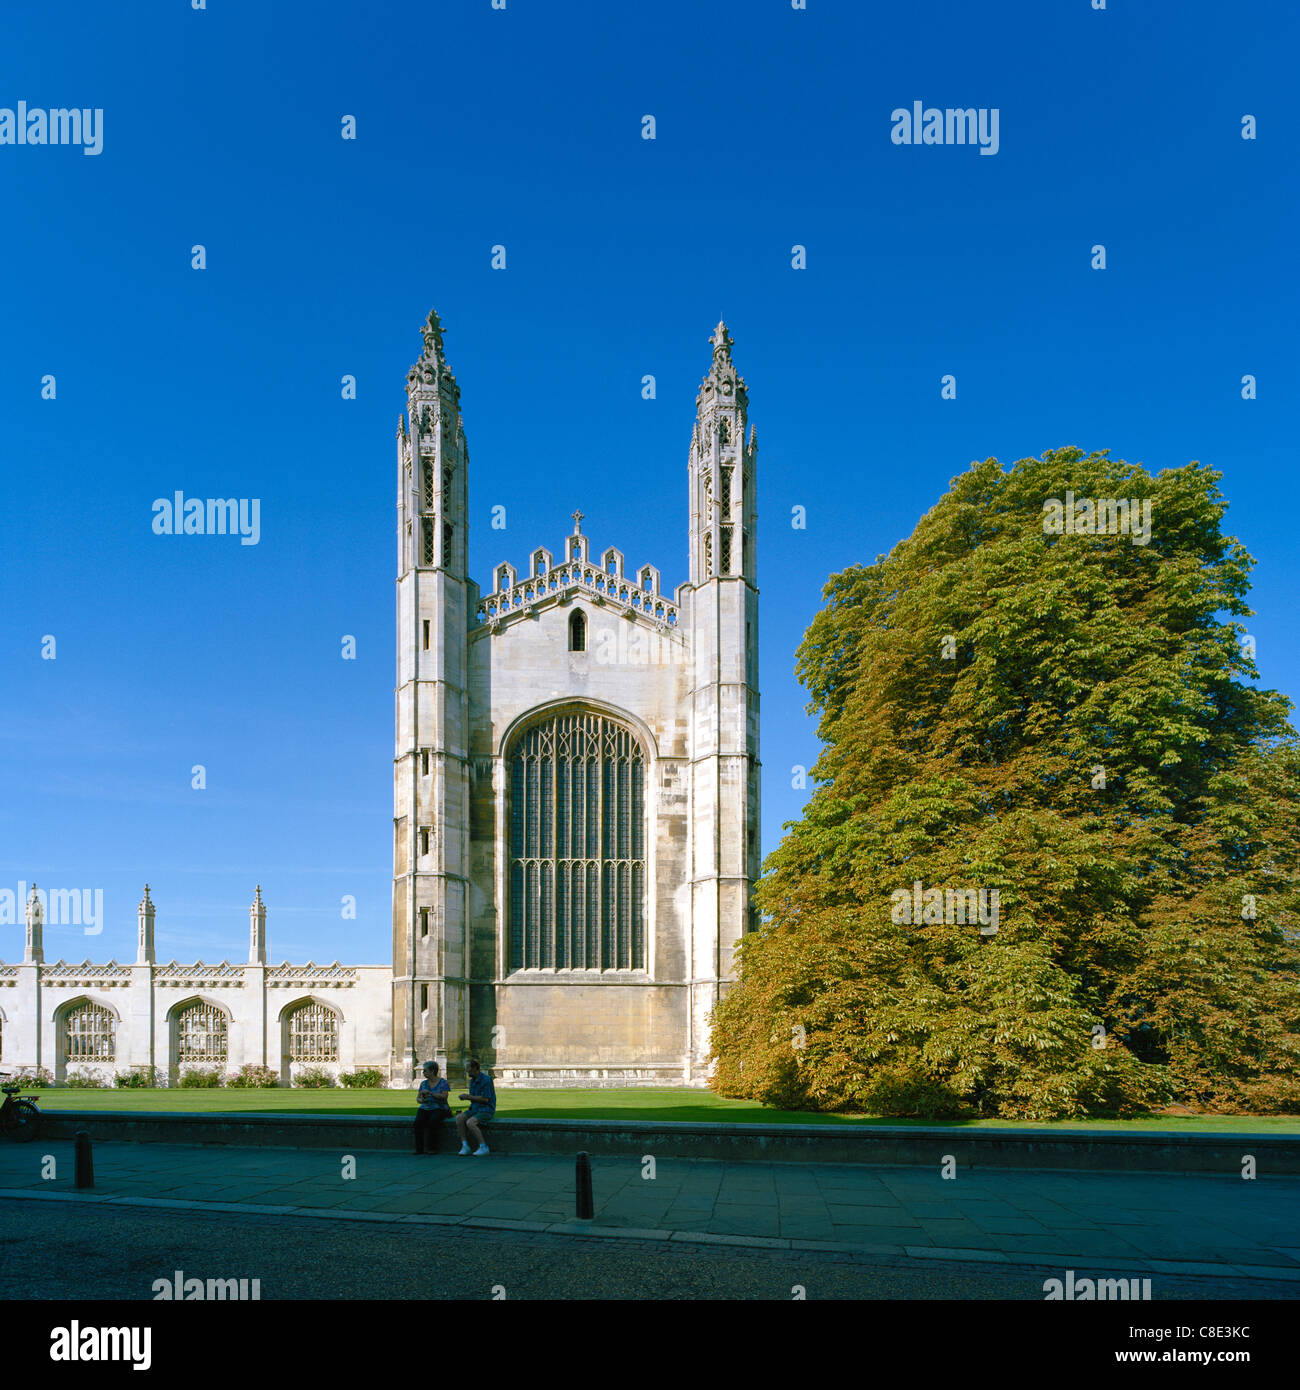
[{"x": 1086, "y": 742}]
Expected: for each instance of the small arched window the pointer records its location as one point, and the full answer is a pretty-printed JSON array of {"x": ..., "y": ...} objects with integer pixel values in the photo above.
[{"x": 577, "y": 633}]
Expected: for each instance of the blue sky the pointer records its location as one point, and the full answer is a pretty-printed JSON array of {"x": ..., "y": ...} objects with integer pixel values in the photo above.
[{"x": 522, "y": 127}]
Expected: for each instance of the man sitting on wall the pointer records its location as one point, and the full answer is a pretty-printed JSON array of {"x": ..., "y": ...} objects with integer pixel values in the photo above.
[{"x": 482, "y": 1096}]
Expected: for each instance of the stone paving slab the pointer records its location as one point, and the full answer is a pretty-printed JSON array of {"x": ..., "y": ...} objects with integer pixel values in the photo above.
[
  {"x": 1157, "y": 1223},
  {"x": 940, "y": 1252},
  {"x": 1267, "y": 1272}
]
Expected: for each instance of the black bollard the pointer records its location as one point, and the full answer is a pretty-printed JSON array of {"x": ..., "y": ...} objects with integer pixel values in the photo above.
[
  {"x": 85, "y": 1162},
  {"x": 586, "y": 1210}
]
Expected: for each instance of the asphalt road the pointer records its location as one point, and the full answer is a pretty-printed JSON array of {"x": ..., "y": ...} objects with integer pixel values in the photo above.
[{"x": 54, "y": 1250}]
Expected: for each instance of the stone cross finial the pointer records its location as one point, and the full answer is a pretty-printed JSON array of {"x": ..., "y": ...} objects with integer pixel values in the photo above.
[
  {"x": 432, "y": 330},
  {"x": 577, "y": 522}
]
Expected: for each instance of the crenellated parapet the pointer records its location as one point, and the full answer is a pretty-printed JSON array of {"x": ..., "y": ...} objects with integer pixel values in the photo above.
[
  {"x": 333, "y": 976},
  {"x": 602, "y": 581},
  {"x": 86, "y": 975},
  {"x": 198, "y": 975}
]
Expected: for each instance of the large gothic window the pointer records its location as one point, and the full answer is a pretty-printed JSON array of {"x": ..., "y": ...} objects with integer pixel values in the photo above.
[
  {"x": 313, "y": 1033},
  {"x": 202, "y": 1033},
  {"x": 577, "y": 846},
  {"x": 90, "y": 1032}
]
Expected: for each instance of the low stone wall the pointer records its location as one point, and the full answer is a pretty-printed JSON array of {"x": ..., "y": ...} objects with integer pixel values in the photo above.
[{"x": 924, "y": 1146}]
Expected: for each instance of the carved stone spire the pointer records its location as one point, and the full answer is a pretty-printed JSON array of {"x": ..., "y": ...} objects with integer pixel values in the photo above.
[
  {"x": 433, "y": 501},
  {"x": 723, "y": 382},
  {"x": 431, "y": 368},
  {"x": 145, "y": 913},
  {"x": 257, "y": 943},
  {"x": 722, "y": 471},
  {"x": 34, "y": 948}
]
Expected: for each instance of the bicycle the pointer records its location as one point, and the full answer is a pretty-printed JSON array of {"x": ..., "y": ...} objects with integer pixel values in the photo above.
[{"x": 19, "y": 1117}]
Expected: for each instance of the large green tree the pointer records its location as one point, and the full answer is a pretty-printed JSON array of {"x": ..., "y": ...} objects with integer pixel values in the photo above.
[{"x": 1066, "y": 719}]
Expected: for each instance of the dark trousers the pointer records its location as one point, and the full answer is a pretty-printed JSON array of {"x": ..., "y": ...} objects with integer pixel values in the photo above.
[{"x": 427, "y": 1123}]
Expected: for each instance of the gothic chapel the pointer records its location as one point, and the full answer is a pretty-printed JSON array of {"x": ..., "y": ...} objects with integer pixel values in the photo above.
[{"x": 576, "y": 771}]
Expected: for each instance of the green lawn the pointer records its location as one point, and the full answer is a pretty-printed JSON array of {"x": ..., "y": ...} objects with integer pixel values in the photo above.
[{"x": 650, "y": 1104}]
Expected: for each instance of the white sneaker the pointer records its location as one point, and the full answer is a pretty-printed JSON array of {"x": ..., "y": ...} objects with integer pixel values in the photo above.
[
  {"x": 480, "y": 1151},
  {"x": 464, "y": 1149}
]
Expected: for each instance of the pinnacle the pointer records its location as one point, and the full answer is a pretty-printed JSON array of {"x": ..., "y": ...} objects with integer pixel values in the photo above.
[
  {"x": 431, "y": 366},
  {"x": 722, "y": 376}
]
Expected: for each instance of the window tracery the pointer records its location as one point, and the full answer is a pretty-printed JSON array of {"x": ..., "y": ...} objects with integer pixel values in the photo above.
[{"x": 577, "y": 846}]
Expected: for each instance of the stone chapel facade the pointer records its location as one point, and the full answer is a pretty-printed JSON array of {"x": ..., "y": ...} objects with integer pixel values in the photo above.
[
  {"x": 576, "y": 814},
  {"x": 576, "y": 769}
]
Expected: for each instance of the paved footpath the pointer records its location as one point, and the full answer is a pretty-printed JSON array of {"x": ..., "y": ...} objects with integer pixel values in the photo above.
[{"x": 1120, "y": 1223}]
